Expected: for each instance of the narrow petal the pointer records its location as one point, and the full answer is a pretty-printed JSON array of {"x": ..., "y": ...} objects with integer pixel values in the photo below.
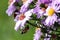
[
  {"x": 29, "y": 13},
  {"x": 16, "y": 18},
  {"x": 40, "y": 13},
  {"x": 45, "y": 1},
  {"x": 37, "y": 34},
  {"x": 24, "y": 7},
  {"x": 23, "y": 24},
  {"x": 56, "y": 4},
  {"x": 18, "y": 23},
  {"x": 29, "y": 1},
  {"x": 51, "y": 20},
  {"x": 46, "y": 38},
  {"x": 10, "y": 10}
]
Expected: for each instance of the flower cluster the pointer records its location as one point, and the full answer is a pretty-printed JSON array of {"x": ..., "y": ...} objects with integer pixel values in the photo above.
[{"x": 46, "y": 11}]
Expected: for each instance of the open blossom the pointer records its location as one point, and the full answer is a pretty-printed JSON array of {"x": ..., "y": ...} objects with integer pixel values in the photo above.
[
  {"x": 37, "y": 34},
  {"x": 38, "y": 10},
  {"x": 24, "y": 7},
  {"x": 51, "y": 13},
  {"x": 22, "y": 18}
]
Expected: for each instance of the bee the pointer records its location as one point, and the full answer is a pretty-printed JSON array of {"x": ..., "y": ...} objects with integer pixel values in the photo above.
[
  {"x": 25, "y": 30},
  {"x": 15, "y": 13}
]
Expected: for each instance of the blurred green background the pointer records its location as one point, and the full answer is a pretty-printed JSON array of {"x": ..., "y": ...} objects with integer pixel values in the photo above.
[{"x": 7, "y": 24}]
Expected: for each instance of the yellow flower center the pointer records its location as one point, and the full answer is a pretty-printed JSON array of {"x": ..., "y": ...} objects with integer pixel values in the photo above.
[
  {"x": 37, "y": 28},
  {"x": 51, "y": 12},
  {"x": 22, "y": 16},
  {"x": 24, "y": 1},
  {"x": 10, "y": 1}
]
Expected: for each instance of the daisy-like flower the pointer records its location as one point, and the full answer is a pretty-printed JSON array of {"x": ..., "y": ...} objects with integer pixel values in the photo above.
[
  {"x": 22, "y": 18},
  {"x": 24, "y": 7},
  {"x": 11, "y": 8},
  {"x": 50, "y": 12},
  {"x": 37, "y": 34},
  {"x": 39, "y": 11}
]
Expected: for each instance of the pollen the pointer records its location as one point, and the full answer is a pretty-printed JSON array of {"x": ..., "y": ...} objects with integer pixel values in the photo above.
[
  {"x": 22, "y": 16},
  {"x": 37, "y": 28},
  {"x": 24, "y": 1},
  {"x": 51, "y": 12},
  {"x": 10, "y": 1}
]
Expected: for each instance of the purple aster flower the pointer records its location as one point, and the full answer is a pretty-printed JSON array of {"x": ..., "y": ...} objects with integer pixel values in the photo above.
[
  {"x": 50, "y": 12},
  {"x": 37, "y": 34},
  {"x": 22, "y": 18},
  {"x": 24, "y": 7},
  {"x": 39, "y": 12},
  {"x": 11, "y": 8}
]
